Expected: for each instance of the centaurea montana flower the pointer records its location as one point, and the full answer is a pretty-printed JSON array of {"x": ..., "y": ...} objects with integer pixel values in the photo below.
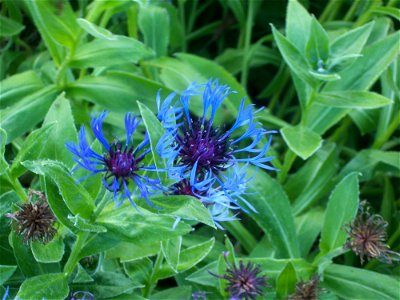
[
  {"x": 245, "y": 281},
  {"x": 201, "y": 153},
  {"x": 121, "y": 164}
]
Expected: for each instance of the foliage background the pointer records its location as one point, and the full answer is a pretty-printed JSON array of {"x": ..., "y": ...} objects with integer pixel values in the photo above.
[{"x": 338, "y": 141}]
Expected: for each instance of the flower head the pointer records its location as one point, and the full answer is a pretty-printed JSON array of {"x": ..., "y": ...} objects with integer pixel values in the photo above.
[
  {"x": 306, "y": 290},
  {"x": 81, "y": 295},
  {"x": 367, "y": 236},
  {"x": 205, "y": 157},
  {"x": 198, "y": 142},
  {"x": 122, "y": 162},
  {"x": 35, "y": 220},
  {"x": 244, "y": 282}
]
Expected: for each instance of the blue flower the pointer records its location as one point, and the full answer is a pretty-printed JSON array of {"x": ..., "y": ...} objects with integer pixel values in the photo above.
[
  {"x": 191, "y": 140},
  {"x": 121, "y": 164},
  {"x": 205, "y": 157}
]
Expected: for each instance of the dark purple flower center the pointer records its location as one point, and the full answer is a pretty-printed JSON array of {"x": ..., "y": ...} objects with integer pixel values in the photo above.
[
  {"x": 121, "y": 161},
  {"x": 184, "y": 187},
  {"x": 205, "y": 145}
]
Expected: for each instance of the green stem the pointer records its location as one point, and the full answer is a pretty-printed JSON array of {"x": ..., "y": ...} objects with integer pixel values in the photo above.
[
  {"x": 19, "y": 190},
  {"x": 76, "y": 249},
  {"x": 388, "y": 133},
  {"x": 149, "y": 286},
  {"x": 290, "y": 157},
  {"x": 247, "y": 41}
]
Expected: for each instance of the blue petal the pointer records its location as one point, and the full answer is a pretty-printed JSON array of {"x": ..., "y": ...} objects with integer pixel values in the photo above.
[{"x": 97, "y": 127}]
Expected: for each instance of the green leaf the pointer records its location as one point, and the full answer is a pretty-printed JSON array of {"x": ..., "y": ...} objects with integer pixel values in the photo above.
[
  {"x": 61, "y": 29},
  {"x": 23, "y": 255},
  {"x": 390, "y": 11},
  {"x": 354, "y": 283},
  {"x": 155, "y": 130},
  {"x": 31, "y": 149},
  {"x": 14, "y": 118},
  {"x": 36, "y": 13},
  {"x": 352, "y": 99},
  {"x": 128, "y": 224},
  {"x": 316, "y": 181},
  {"x": 105, "y": 52},
  {"x": 203, "y": 277},
  {"x": 273, "y": 267},
  {"x": 57, "y": 204},
  {"x": 109, "y": 284},
  {"x": 9, "y": 27},
  {"x": 185, "y": 207},
  {"x": 83, "y": 225},
  {"x": 367, "y": 69},
  {"x": 294, "y": 58},
  {"x": 47, "y": 286},
  {"x": 60, "y": 115},
  {"x": 99, "y": 242},
  {"x": 273, "y": 213},
  {"x": 308, "y": 227},
  {"x": 286, "y": 282},
  {"x": 298, "y": 24},
  {"x": 317, "y": 48},
  {"x": 301, "y": 140},
  {"x": 16, "y": 87},
  {"x": 325, "y": 76},
  {"x": 154, "y": 24},
  {"x": 346, "y": 47},
  {"x": 181, "y": 292},
  {"x": 129, "y": 251},
  {"x": 117, "y": 91},
  {"x": 341, "y": 209},
  {"x": 53, "y": 251},
  {"x": 3, "y": 142},
  {"x": 188, "y": 259},
  {"x": 75, "y": 196},
  {"x": 171, "y": 250},
  {"x": 6, "y": 272},
  {"x": 366, "y": 161},
  {"x": 139, "y": 270},
  {"x": 361, "y": 76},
  {"x": 82, "y": 276},
  {"x": 95, "y": 30}
]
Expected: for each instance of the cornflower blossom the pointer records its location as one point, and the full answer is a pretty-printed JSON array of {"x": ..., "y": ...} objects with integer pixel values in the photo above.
[
  {"x": 199, "y": 154},
  {"x": 367, "y": 236},
  {"x": 35, "y": 220},
  {"x": 244, "y": 281},
  {"x": 307, "y": 290},
  {"x": 122, "y": 162}
]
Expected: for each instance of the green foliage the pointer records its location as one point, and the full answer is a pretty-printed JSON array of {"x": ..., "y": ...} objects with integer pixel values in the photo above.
[{"x": 327, "y": 73}]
